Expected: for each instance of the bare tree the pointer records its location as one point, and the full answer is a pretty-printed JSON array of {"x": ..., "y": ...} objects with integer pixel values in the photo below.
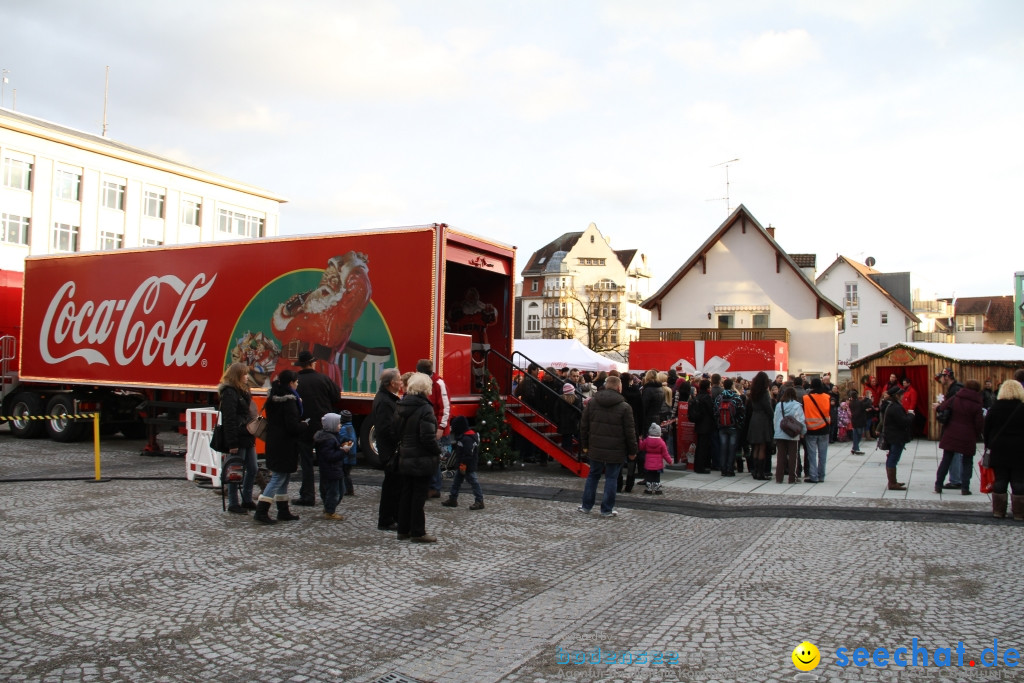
[{"x": 596, "y": 311}]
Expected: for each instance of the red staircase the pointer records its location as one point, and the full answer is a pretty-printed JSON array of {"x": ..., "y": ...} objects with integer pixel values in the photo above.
[{"x": 539, "y": 431}]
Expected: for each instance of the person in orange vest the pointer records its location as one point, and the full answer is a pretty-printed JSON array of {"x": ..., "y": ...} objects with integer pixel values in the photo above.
[{"x": 816, "y": 413}]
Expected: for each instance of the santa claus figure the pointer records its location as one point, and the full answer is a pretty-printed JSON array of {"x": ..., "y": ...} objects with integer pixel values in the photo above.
[
  {"x": 320, "y": 321},
  {"x": 472, "y": 316}
]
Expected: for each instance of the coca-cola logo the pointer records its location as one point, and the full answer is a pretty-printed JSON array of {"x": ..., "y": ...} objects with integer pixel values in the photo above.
[{"x": 88, "y": 325}]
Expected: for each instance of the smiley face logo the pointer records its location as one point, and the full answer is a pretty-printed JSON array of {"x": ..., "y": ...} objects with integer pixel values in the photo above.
[{"x": 806, "y": 656}]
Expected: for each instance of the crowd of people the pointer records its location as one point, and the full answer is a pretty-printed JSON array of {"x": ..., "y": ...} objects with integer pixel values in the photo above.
[{"x": 623, "y": 424}]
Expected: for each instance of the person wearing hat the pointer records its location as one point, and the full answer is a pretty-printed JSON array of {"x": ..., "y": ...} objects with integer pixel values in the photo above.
[
  {"x": 655, "y": 456},
  {"x": 896, "y": 427},
  {"x": 567, "y": 416},
  {"x": 332, "y": 447},
  {"x": 348, "y": 433},
  {"x": 320, "y": 395}
]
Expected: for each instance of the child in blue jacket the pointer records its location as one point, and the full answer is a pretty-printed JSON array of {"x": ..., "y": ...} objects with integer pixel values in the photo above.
[
  {"x": 348, "y": 433},
  {"x": 466, "y": 444}
]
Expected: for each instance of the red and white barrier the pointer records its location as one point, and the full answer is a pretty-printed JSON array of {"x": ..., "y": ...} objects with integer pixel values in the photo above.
[{"x": 200, "y": 459}]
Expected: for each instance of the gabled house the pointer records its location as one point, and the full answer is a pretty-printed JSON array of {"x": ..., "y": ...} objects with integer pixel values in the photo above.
[
  {"x": 876, "y": 307},
  {"x": 741, "y": 284},
  {"x": 578, "y": 287},
  {"x": 982, "y": 319}
]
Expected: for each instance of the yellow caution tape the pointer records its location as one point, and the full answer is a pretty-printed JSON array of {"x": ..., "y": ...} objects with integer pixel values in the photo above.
[{"x": 83, "y": 416}]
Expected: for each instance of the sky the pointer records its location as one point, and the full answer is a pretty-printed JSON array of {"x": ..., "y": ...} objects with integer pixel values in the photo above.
[{"x": 890, "y": 129}]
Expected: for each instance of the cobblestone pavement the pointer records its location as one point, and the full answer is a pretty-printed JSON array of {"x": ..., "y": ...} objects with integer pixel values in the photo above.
[{"x": 147, "y": 580}]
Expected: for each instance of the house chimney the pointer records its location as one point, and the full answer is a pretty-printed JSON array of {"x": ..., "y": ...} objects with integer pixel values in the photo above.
[{"x": 770, "y": 230}]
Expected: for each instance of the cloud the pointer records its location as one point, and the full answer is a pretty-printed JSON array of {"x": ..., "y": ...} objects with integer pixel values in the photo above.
[{"x": 768, "y": 52}]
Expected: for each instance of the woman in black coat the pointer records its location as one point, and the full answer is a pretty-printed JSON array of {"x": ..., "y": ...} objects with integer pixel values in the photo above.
[
  {"x": 568, "y": 412},
  {"x": 284, "y": 426},
  {"x": 701, "y": 413},
  {"x": 234, "y": 413},
  {"x": 1004, "y": 437},
  {"x": 419, "y": 455},
  {"x": 897, "y": 427}
]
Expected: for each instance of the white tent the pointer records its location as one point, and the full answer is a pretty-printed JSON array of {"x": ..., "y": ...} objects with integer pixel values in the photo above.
[{"x": 562, "y": 353}]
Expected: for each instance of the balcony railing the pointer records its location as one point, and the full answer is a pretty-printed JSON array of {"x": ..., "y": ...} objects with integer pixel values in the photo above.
[
  {"x": 929, "y": 306},
  {"x": 941, "y": 337},
  {"x": 715, "y": 334}
]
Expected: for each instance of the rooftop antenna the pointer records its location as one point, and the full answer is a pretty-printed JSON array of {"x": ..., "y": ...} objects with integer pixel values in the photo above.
[
  {"x": 106, "y": 89},
  {"x": 728, "y": 206}
]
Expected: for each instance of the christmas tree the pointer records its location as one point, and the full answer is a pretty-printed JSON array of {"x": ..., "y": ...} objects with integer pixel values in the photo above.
[{"x": 491, "y": 426}]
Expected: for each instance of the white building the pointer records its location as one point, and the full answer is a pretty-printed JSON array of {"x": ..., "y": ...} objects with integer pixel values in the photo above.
[
  {"x": 63, "y": 190},
  {"x": 578, "y": 287},
  {"x": 740, "y": 284},
  {"x": 876, "y": 307}
]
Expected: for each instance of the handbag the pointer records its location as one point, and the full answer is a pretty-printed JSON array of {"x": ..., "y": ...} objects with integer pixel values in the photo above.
[
  {"x": 987, "y": 477},
  {"x": 217, "y": 440},
  {"x": 882, "y": 444},
  {"x": 258, "y": 427},
  {"x": 790, "y": 424}
]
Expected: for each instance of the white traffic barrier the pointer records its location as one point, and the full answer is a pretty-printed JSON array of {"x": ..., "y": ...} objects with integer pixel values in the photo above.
[{"x": 200, "y": 459}]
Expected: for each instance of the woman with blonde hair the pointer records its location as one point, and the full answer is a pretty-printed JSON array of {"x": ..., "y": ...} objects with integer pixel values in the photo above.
[
  {"x": 236, "y": 410},
  {"x": 418, "y": 457},
  {"x": 1004, "y": 437}
]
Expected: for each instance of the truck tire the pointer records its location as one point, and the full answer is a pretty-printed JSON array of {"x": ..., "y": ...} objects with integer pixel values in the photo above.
[
  {"x": 25, "y": 403},
  {"x": 60, "y": 427},
  {"x": 368, "y": 444}
]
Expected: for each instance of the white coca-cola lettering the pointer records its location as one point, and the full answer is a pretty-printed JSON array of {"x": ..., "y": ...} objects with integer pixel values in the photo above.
[{"x": 177, "y": 342}]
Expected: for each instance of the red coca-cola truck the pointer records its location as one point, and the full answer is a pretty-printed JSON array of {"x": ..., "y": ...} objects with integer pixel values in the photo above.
[{"x": 141, "y": 335}]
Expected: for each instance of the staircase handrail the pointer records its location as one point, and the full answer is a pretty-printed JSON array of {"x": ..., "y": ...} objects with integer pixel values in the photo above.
[{"x": 543, "y": 387}]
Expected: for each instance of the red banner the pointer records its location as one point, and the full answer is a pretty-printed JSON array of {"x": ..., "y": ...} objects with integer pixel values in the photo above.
[{"x": 727, "y": 358}]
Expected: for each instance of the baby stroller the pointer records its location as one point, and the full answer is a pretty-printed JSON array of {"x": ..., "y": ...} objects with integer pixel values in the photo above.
[{"x": 449, "y": 463}]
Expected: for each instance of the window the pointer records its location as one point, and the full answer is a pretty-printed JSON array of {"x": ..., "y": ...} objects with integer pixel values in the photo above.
[
  {"x": 113, "y": 194},
  {"x": 724, "y": 322},
  {"x": 110, "y": 241},
  {"x": 851, "y": 300},
  {"x": 191, "y": 210},
  {"x": 532, "y": 318},
  {"x": 240, "y": 223},
  {"x": 17, "y": 173},
  {"x": 885, "y": 317},
  {"x": 970, "y": 323},
  {"x": 854, "y": 350},
  {"x": 153, "y": 203},
  {"x": 65, "y": 237},
  {"x": 613, "y": 336},
  {"x": 760, "y": 320},
  {"x": 615, "y": 311},
  {"x": 149, "y": 242},
  {"x": 533, "y": 286},
  {"x": 854, "y": 319},
  {"x": 68, "y": 185},
  {"x": 14, "y": 229},
  {"x": 591, "y": 239}
]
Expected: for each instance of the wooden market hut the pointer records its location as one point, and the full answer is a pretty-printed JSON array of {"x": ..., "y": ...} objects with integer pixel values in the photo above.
[{"x": 920, "y": 362}]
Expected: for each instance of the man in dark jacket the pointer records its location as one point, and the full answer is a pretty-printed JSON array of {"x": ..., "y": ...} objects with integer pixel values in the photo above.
[
  {"x": 383, "y": 414},
  {"x": 320, "y": 395},
  {"x": 608, "y": 437},
  {"x": 897, "y": 425}
]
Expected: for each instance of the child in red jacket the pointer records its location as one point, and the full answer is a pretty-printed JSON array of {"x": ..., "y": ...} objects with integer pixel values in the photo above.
[{"x": 655, "y": 456}]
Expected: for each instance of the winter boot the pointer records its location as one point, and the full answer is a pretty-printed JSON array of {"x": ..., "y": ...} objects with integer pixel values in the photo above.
[
  {"x": 262, "y": 508},
  {"x": 451, "y": 502},
  {"x": 1017, "y": 502},
  {"x": 649, "y": 487},
  {"x": 657, "y": 489},
  {"x": 477, "y": 505},
  {"x": 283, "y": 513},
  {"x": 893, "y": 484},
  {"x": 999, "y": 505}
]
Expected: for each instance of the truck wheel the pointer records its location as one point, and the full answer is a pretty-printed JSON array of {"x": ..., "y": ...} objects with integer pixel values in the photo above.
[
  {"x": 368, "y": 444},
  {"x": 60, "y": 427},
  {"x": 24, "y": 404}
]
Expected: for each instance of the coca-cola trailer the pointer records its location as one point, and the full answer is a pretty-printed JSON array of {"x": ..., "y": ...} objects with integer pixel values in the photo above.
[{"x": 142, "y": 335}]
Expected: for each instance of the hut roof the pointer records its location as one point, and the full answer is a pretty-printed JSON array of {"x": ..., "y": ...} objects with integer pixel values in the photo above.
[{"x": 991, "y": 354}]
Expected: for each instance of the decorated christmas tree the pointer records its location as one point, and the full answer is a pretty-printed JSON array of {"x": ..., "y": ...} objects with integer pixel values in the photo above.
[{"x": 490, "y": 425}]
